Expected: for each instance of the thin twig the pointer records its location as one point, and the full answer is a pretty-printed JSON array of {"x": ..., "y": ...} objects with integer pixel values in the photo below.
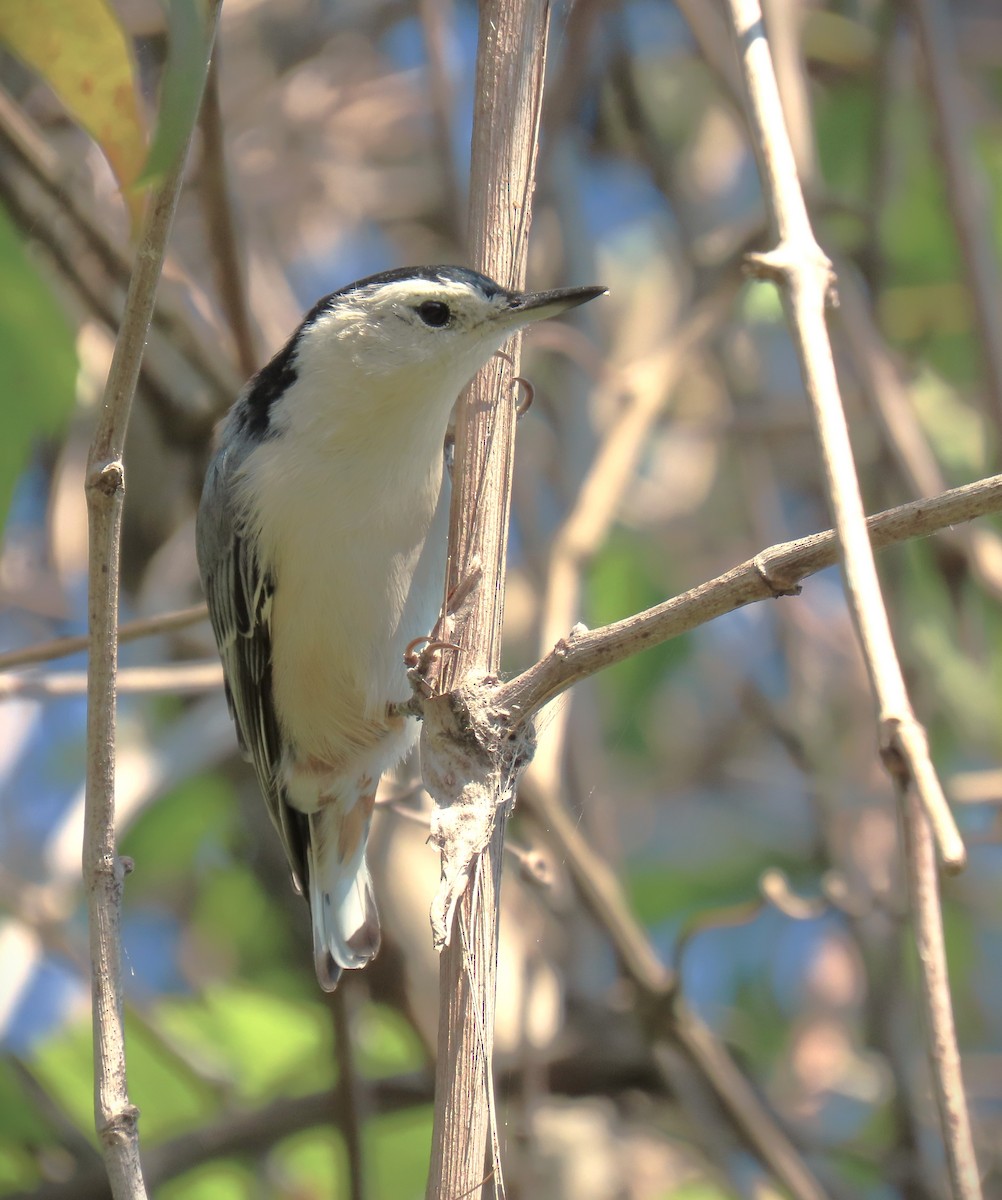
[
  {"x": 351, "y": 1090},
  {"x": 217, "y": 209},
  {"x": 184, "y": 678},
  {"x": 964, "y": 188},
  {"x": 104, "y": 872},
  {"x": 587, "y": 524},
  {"x": 511, "y": 55},
  {"x": 798, "y": 263},
  {"x": 129, "y": 632},
  {"x": 32, "y": 151},
  {"x": 923, "y": 888},
  {"x": 881, "y": 381},
  {"x": 774, "y": 572},
  {"x": 436, "y": 20},
  {"x": 660, "y": 1007},
  {"x": 800, "y": 266}
]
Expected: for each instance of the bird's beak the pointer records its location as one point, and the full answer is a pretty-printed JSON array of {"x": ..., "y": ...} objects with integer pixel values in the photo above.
[{"x": 529, "y": 307}]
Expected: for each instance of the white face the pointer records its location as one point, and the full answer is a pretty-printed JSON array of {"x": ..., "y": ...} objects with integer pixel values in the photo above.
[
  {"x": 418, "y": 323},
  {"x": 410, "y": 341}
]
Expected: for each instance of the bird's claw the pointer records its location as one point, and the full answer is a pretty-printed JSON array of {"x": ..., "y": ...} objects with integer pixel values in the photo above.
[{"x": 528, "y": 391}]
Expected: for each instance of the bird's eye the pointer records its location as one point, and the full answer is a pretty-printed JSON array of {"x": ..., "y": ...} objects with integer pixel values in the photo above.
[{"x": 434, "y": 313}]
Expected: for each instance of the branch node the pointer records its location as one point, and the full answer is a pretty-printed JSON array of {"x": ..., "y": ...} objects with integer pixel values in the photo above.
[
  {"x": 891, "y": 753},
  {"x": 109, "y": 479},
  {"x": 779, "y": 584},
  {"x": 777, "y": 890},
  {"x": 790, "y": 263},
  {"x": 120, "y": 1128}
]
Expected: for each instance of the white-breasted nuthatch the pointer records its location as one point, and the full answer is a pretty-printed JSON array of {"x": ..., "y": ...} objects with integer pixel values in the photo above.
[{"x": 321, "y": 544}]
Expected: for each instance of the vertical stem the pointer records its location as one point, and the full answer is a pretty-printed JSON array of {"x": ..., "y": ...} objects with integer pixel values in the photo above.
[
  {"x": 799, "y": 264},
  {"x": 966, "y": 190},
  {"x": 934, "y": 980},
  {"x": 511, "y": 55},
  {"x": 350, "y": 1088},
  {"x": 103, "y": 871},
  {"x": 217, "y": 208}
]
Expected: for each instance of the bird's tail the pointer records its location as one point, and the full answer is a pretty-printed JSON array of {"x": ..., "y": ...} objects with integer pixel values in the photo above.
[{"x": 342, "y": 906}]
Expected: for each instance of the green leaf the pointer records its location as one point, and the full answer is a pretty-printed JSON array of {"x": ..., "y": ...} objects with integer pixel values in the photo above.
[
  {"x": 166, "y": 1091},
  {"x": 64, "y": 1065},
  {"x": 260, "y": 1041},
  {"x": 234, "y": 912},
  {"x": 398, "y": 1150},
  {"x": 698, "y": 1189},
  {"x": 19, "y": 1119},
  {"x": 620, "y": 581},
  {"x": 18, "y": 1171},
  {"x": 658, "y": 893},
  {"x": 386, "y": 1043},
  {"x": 37, "y": 361},
  {"x": 844, "y": 118},
  {"x": 312, "y": 1163},
  {"x": 220, "y": 1180},
  {"x": 181, "y": 87},
  {"x": 80, "y": 49},
  {"x": 195, "y": 820}
]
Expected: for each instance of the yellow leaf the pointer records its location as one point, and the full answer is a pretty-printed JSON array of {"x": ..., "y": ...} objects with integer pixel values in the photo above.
[{"x": 81, "y": 51}]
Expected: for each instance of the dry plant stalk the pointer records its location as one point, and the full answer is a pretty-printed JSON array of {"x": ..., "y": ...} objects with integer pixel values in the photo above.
[
  {"x": 774, "y": 572},
  {"x": 964, "y": 187},
  {"x": 676, "y": 1033},
  {"x": 800, "y": 266},
  {"x": 35, "y": 157},
  {"x": 103, "y": 871},
  {"x": 510, "y": 59},
  {"x": 131, "y": 631}
]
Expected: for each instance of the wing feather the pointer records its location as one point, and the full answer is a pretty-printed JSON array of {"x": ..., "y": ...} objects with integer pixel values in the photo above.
[{"x": 239, "y": 595}]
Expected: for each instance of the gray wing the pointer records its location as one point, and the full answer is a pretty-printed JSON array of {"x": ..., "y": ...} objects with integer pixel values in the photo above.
[{"x": 240, "y": 595}]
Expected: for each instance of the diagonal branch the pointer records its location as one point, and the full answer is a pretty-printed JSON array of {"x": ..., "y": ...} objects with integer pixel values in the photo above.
[
  {"x": 774, "y": 572},
  {"x": 799, "y": 265},
  {"x": 131, "y": 631},
  {"x": 671, "y": 1026},
  {"x": 964, "y": 188},
  {"x": 21, "y": 139}
]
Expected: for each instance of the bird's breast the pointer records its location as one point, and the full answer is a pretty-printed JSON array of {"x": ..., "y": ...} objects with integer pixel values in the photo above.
[{"x": 349, "y": 597}]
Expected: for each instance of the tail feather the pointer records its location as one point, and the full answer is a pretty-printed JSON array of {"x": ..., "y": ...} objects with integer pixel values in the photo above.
[{"x": 342, "y": 905}]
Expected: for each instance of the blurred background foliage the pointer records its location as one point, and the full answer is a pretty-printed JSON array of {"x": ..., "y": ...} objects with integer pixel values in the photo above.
[{"x": 745, "y": 748}]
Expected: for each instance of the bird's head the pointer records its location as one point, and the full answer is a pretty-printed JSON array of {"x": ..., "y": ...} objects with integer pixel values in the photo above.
[{"x": 438, "y": 324}]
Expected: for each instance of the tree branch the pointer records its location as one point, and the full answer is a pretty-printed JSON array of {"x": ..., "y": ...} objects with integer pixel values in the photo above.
[
  {"x": 511, "y": 55},
  {"x": 774, "y": 572},
  {"x": 964, "y": 189},
  {"x": 667, "y": 1020},
  {"x": 217, "y": 210},
  {"x": 41, "y": 163},
  {"x": 177, "y": 679},
  {"x": 103, "y": 871},
  {"x": 129, "y": 632},
  {"x": 799, "y": 265}
]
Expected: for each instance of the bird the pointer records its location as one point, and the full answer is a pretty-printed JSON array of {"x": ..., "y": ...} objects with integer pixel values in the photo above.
[{"x": 321, "y": 545}]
